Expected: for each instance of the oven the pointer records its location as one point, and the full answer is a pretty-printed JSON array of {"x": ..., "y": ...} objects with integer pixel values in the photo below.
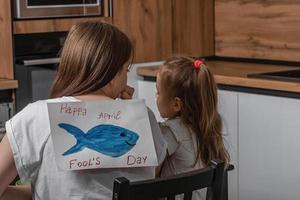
[
  {"x": 36, "y": 62},
  {"x": 59, "y": 8}
]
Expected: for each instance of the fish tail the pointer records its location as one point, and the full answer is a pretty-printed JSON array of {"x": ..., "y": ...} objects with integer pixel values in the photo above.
[
  {"x": 73, "y": 130},
  {"x": 77, "y": 147},
  {"x": 78, "y": 134}
]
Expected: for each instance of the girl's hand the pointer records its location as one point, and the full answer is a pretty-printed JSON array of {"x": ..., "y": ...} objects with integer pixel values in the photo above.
[{"x": 127, "y": 92}]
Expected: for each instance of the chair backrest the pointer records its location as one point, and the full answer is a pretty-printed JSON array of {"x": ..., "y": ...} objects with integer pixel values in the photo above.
[{"x": 185, "y": 183}]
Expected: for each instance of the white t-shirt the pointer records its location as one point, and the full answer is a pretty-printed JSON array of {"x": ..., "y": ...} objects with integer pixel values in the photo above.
[
  {"x": 29, "y": 136},
  {"x": 182, "y": 152}
]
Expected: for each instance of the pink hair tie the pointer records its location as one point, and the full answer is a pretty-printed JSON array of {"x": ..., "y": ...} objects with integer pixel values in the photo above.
[{"x": 197, "y": 64}]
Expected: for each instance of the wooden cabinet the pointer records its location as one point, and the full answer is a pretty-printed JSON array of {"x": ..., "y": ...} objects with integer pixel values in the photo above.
[
  {"x": 6, "y": 52},
  {"x": 148, "y": 23},
  {"x": 258, "y": 29},
  {"x": 51, "y": 25},
  {"x": 193, "y": 27},
  {"x": 160, "y": 29}
]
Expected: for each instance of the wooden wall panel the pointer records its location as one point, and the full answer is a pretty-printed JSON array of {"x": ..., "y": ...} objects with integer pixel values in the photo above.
[
  {"x": 6, "y": 53},
  {"x": 148, "y": 23},
  {"x": 52, "y": 25},
  {"x": 193, "y": 27},
  {"x": 268, "y": 29}
]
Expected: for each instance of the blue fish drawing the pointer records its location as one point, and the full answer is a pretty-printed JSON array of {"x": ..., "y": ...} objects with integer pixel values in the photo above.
[{"x": 110, "y": 140}]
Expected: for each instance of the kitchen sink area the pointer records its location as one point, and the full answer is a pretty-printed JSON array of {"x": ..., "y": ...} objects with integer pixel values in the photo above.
[{"x": 288, "y": 75}]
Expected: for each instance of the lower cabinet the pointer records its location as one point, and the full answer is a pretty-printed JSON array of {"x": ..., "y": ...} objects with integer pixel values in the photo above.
[
  {"x": 268, "y": 147},
  {"x": 228, "y": 109}
]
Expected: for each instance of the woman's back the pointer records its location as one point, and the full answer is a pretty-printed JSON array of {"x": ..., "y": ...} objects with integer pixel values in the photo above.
[{"x": 37, "y": 160}]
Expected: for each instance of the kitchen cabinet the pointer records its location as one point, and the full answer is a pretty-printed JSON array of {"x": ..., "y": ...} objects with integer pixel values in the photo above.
[
  {"x": 160, "y": 29},
  {"x": 258, "y": 29},
  {"x": 148, "y": 23},
  {"x": 268, "y": 147},
  {"x": 228, "y": 109},
  {"x": 6, "y": 51},
  {"x": 262, "y": 135},
  {"x": 193, "y": 27}
]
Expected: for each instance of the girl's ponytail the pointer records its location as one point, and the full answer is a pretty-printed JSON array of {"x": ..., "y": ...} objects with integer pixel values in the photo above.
[{"x": 210, "y": 138}]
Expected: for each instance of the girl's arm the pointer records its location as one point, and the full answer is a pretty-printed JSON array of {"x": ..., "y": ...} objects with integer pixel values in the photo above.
[{"x": 8, "y": 172}]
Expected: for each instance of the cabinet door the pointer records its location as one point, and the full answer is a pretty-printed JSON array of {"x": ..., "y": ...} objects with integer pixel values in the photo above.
[
  {"x": 228, "y": 109},
  {"x": 148, "y": 23},
  {"x": 269, "y": 160},
  {"x": 193, "y": 27},
  {"x": 6, "y": 52}
]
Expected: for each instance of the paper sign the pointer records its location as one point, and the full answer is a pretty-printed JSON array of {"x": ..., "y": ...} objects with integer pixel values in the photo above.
[{"x": 102, "y": 134}]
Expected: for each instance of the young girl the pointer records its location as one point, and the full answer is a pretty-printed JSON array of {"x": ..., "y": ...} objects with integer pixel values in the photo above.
[
  {"x": 187, "y": 97},
  {"x": 93, "y": 66}
]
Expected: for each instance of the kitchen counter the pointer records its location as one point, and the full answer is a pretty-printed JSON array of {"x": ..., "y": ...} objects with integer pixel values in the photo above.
[
  {"x": 235, "y": 74},
  {"x": 6, "y": 84}
]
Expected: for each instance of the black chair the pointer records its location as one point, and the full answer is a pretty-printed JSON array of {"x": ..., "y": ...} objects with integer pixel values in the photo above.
[{"x": 210, "y": 177}]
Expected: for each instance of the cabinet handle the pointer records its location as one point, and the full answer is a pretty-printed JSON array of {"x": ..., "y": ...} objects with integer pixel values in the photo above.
[{"x": 43, "y": 61}]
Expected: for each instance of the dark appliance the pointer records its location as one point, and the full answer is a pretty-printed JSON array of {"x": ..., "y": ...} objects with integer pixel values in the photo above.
[
  {"x": 6, "y": 109},
  {"x": 36, "y": 61},
  {"x": 287, "y": 75},
  {"x": 59, "y": 8}
]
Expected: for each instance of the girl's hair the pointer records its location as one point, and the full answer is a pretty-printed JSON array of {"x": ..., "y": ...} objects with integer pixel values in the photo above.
[
  {"x": 198, "y": 93},
  {"x": 92, "y": 55}
]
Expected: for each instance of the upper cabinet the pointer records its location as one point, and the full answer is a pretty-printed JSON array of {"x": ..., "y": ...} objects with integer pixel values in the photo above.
[
  {"x": 6, "y": 52},
  {"x": 148, "y": 23},
  {"x": 157, "y": 28},
  {"x": 193, "y": 27},
  {"x": 258, "y": 29},
  {"x": 161, "y": 28}
]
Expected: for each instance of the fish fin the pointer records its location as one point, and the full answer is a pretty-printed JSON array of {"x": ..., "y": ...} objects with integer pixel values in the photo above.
[
  {"x": 73, "y": 130},
  {"x": 77, "y": 147}
]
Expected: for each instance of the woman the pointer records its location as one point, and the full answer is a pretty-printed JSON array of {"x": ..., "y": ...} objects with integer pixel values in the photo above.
[{"x": 93, "y": 66}]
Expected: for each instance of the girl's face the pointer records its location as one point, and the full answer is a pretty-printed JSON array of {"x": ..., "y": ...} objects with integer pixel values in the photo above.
[{"x": 168, "y": 107}]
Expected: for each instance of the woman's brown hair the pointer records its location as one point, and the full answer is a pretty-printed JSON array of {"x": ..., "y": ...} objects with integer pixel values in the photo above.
[
  {"x": 92, "y": 55},
  {"x": 197, "y": 91}
]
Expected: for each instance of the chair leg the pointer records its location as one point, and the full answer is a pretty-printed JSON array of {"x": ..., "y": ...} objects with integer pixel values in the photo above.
[
  {"x": 172, "y": 197},
  {"x": 188, "y": 195},
  {"x": 225, "y": 186}
]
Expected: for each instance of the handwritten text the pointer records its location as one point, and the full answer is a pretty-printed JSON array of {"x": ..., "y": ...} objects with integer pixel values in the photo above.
[
  {"x": 114, "y": 115},
  {"x": 75, "y": 111},
  {"x": 77, "y": 164}
]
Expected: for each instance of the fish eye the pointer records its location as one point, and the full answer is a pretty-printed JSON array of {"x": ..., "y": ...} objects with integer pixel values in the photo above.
[{"x": 122, "y": 134}]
